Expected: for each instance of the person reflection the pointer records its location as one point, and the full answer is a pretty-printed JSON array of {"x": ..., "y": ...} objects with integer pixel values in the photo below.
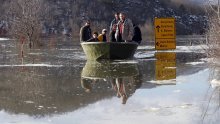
[{"x": 119, "y": 86}]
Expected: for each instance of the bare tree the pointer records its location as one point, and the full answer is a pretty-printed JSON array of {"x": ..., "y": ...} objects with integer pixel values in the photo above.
[
  {"x": 213, "y": 37},
  {"x": 25, "y": 18}
]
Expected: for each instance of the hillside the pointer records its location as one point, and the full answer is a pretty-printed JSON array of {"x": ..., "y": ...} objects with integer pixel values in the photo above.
[{"x": 67, "y": 15}]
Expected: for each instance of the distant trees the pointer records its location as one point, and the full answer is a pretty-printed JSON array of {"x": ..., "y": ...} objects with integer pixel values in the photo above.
[
  {"x": 213, "y": 37},
  {"x": 25, "y": 18}
]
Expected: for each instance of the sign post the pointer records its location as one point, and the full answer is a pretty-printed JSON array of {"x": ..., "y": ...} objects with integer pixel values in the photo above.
[{"x": 165, "y": 33}]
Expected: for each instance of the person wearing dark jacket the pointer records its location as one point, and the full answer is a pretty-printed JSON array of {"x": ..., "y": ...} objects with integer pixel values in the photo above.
[
  {"x": 124, "y": 30},
  {"x": 85, "y": 32},
  {"x": 137, "y": 34},
  {"x": 114, "y": 21},
  {"x": 95, "y": 38},
  {"x": 113, "y": 27}
]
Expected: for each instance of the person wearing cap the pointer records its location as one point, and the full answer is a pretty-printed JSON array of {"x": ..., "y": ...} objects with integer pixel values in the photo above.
[
  {"x": 85, "y": 32},
  {"x": 95, "y": 37},
  {"x": 102, "y": 37}
]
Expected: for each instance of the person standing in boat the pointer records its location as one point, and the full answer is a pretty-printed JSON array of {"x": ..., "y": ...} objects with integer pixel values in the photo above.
[
  {"x": 113, "y": 27},
  {"x": 102, "y": 37},
  {"x": 124, "y": 30},
  {"x": 114, "y": 21},
  {"x": 85, "y": 32},
  {"x": 137, "y": 34},
  {"x": 95, "y": 38}
]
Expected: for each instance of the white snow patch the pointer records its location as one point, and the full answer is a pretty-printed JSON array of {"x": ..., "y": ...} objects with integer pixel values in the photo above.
[{"x": 195, "y": 63}]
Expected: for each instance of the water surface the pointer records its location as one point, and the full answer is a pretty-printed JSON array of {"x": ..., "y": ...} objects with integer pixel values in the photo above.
[{"x": 55, "y": 84}]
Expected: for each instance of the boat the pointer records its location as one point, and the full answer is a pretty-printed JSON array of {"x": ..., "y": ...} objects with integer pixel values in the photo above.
[
  {"x": 108, "y": 69},
  {"x": 109, "y": 50}
]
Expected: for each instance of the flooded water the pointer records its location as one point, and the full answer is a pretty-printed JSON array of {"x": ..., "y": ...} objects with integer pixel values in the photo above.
[{"x": 56, "y": 85}]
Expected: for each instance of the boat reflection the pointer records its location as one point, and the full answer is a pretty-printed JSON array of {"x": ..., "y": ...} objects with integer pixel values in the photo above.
[{"x": 123, "y": 77}]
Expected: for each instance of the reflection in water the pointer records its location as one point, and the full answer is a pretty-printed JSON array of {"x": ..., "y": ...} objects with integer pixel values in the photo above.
[
  {"x": 123, "y": 77},
  {"x": 165, "y": 66}
]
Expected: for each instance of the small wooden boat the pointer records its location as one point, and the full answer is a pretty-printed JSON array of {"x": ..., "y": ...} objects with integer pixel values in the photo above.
[{"x": 109, "y": 50}]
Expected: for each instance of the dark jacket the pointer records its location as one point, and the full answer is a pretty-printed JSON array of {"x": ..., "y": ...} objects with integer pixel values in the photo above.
[
  {"x": 85, "y": 33},
  {"x": 114, "y": 22},
  {"x": 93, "y": 40},
  {"x": 127, "y": 30},
  {"x": 137, "y": 35},
  {"x": 112, "y": 36}
]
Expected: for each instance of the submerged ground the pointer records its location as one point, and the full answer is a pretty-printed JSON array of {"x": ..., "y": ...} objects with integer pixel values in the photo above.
[{"x": 55, "y": 84}]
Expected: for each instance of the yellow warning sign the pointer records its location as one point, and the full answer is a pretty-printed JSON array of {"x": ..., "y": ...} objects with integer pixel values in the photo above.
[
  {"x": 165, "y": 66},
  {"x": 165, "y": 33},
  {"x": 165, "y": 28},
  {"x": 164, "y": 44}
]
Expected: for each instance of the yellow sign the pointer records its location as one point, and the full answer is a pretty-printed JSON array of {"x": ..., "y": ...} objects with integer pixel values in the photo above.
[
  {"x": 165, "y": 28},
  {"x": 165, "y": 66},
  {"x": 164, "y": 44},
  {"x": 165, "y": 33}
]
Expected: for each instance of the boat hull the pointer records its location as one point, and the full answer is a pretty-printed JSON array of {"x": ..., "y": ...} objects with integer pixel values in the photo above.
[{"x": 109, "y": 50}]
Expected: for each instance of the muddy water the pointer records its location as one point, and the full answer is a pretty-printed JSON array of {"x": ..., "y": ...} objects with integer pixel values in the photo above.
[{"x": 55, "y": 84}]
